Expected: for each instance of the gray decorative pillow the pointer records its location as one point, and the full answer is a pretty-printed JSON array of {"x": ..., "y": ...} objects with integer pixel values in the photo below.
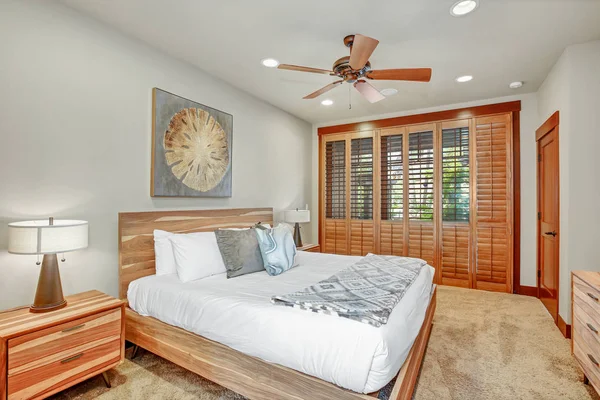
[{"x": 240, "y": 251}]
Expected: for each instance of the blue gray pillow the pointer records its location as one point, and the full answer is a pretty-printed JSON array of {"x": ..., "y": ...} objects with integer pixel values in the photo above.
[
  {"x": 277, "y": 249},
  {"x": 240, "y": 251}
]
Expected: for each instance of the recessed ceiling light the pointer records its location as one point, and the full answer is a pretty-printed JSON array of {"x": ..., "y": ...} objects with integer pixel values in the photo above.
[
  {"x": 270, "y": 62},
  {"x": 327, "y": 102},
  {"x": 463, "y": 79},
  {"x": 516, "y": 85},
  {"x": 463, "y": 7},
  {"x": 389, "y": 92}
]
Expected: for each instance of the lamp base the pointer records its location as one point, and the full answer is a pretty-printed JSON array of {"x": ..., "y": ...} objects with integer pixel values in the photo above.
[
  {"x": 49, "y": 294},
  {"x": 297, "y": 237}
]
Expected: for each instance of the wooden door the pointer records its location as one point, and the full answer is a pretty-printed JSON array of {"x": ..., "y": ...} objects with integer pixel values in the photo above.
[
  {"x": 456, "y": 204},
  {"x": 334, "y": 159},
  {"x": 548, "y": 216},
  {"x": 493, "y": 202}
]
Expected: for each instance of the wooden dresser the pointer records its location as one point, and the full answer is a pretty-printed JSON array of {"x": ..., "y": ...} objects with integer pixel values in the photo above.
[
  {"x": 42, "y": 354},
  {"x": 312, "y": 248},
  {"x": 586, "y": 324}
]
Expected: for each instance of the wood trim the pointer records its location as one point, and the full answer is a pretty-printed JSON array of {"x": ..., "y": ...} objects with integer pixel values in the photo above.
[
  {"x": 516, "y": 128},
  {"x": 551, "y": 123},
  {"x": 136, "y": 244},
  {"x": 321, "y": 192},
  {"x": 3, "y": 369},
  {"x": 253, "y": 377},
  {"x": 460, "y": 113},
  {"x": 528, "y": 291},
  {"x": 564, "y": 328}
]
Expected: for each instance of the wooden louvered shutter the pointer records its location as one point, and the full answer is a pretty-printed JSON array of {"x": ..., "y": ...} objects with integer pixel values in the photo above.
[
  {"x": 421, "y": 243},
  {"x": 391, "y": 230},
  {"x": 493, "y": 232},
  {"x": 361, "y": 196},
  {"x": 334, "y": 226},
  {"x": 456, "y": 204}
]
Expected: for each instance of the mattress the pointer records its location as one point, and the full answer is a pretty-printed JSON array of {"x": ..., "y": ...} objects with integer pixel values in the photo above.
[{"x": 238, "y": 313}]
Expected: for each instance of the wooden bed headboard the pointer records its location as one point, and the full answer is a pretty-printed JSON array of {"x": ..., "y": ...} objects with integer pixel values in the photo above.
[{"x": 136, "y": 234}]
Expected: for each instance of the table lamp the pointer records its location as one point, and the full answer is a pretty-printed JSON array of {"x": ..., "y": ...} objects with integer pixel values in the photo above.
[
  {"x": 47, "y": 237},
  {"x": 297, "y": 217}
]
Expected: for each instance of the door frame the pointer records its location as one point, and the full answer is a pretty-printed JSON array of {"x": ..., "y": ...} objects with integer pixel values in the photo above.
[{"x": 549, "y": 125}]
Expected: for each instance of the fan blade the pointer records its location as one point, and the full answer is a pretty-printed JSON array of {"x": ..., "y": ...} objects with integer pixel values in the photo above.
[
  {"x": 407, "y": 74},
  {"x": 368, "y": 91},
  {"x": 362, "y": 48},
  {"x": 323, "y": 90},
  {"x": 304, "y": 69}
]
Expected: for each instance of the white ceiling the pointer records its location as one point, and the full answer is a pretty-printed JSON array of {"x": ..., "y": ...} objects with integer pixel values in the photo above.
[{"x": 502, "y": 41}]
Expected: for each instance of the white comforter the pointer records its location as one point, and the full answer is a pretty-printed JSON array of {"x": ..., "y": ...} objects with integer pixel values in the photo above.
[{"x": 237, "y": 312}]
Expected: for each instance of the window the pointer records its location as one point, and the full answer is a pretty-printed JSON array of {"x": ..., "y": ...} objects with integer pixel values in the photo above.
[
  {"x": 392, "y": 178},
  {"x": 361, "y": 178},
  {"x": 455, "y": 174},
  {"x": 420, "y": 176},
  {"x": 335, "y": 180}
]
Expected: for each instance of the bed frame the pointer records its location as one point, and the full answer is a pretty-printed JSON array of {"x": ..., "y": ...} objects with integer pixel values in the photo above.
[{"x": 249, "y": 376}]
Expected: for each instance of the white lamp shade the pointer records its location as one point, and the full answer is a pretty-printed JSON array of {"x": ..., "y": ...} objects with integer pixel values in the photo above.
[
  {"x": 299, "y": 216},
  {"x": 39, "y": 237}
]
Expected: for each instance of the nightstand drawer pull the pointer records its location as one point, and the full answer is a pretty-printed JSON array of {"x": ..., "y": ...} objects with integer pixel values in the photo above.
[
  {"x": 592, "y": 328},
  {"x": 73, "y": 328},
  {"x": 78, "y": 356},
  {"x": 592, "y": 296},
  {"x": 593, "y": 360}
]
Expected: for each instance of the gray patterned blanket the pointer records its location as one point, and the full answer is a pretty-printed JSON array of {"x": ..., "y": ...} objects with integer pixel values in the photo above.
[{"x": 367, "y": 291}]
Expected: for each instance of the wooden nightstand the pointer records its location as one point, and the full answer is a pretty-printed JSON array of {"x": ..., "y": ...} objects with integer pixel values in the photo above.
[
  {"x": 313, "y": 248},
  {"x": 42, "y": 354}
]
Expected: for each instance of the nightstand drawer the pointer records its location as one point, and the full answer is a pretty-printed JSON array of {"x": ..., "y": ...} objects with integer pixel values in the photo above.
[
  {"x": 35, "y": 379},
  {"x": 44, "y": 346},
  {"x": 587, "y": 327}
]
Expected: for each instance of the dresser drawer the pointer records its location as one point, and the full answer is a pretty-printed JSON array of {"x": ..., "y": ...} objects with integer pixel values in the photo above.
[
  {"x": 588, "y": 328},
  {"x": 33, "y": 380},
  {"x": 44, "y": 346},
  {"x": 586, "y": 297},
  {"x": 588, "y": 357}
]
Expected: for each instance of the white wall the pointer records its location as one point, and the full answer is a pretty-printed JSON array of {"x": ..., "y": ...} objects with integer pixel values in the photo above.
[
  {"x": 75, "y": 115},
  {"x": 529, "y": 123},
  {"x": 573, "y": 88}
]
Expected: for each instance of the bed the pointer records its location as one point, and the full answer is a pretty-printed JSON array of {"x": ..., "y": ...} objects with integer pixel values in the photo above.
[{"x": 252, "y": 347}]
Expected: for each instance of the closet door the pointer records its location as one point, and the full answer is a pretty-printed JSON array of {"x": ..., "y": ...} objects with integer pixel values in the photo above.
[
  {"x": 493, "y": 231},
  {"x": 361, "y": 224},
  {"x": 420, "y": 208},
  {"x": 393, "y": 182},
  {"x": 456, "y": 197},
  {"x": 333, "y": 212}
]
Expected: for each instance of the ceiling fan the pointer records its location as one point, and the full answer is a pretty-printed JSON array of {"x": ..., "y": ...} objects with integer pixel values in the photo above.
[{"x": 354, "y": 68}]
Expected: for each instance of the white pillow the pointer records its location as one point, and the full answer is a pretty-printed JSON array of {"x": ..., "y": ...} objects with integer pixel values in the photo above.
[
  {"x": 163, "y": 253},
  {"x": 197, "y": 255}
]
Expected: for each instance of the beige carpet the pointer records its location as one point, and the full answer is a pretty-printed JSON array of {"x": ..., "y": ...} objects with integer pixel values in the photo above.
[{"x": 483, "y": 346}]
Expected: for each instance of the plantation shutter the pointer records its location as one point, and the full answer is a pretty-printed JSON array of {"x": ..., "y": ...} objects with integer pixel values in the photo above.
[
  {"x": 391, "y": 235},
  {"x": 335, "y": 197},
  {"x": 456, "y": 204},
  {"x": 361, "y": 196},
  {"x": 421, "y": 196},
  {"x": 493, "y": 269}
]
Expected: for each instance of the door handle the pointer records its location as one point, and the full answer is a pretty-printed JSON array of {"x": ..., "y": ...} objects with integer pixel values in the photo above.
[{"x": 553, "y": 233}]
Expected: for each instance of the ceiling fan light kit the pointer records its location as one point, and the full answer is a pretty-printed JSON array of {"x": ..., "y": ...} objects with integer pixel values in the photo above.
[
  {"x": 354, "y": 69},
  {"x": 327, "y": 102}
]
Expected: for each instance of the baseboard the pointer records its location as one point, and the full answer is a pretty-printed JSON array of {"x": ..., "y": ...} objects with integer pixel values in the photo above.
[
  {"x": 564, "y": 328},
  {"x": 528, "y": 290}
]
